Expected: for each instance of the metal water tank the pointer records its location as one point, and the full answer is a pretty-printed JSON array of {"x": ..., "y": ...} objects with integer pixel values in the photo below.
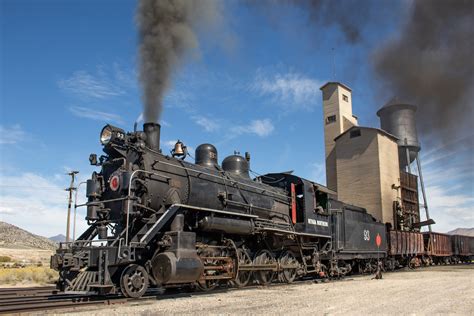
[{"x": 399, "y": 119}]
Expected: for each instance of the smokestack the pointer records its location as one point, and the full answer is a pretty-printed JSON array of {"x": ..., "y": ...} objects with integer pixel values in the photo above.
[{"x": 152, "y": 132}]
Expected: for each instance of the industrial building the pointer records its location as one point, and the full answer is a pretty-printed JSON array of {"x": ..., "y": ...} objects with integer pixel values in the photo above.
[{"x": 371, "y": 167}]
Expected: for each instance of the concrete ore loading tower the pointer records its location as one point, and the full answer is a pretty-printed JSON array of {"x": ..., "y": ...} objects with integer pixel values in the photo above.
[{"x": 359, "y": 159}]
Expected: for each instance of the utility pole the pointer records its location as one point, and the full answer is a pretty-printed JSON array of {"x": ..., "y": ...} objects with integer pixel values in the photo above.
[
  {"x": 70, "y": 190},
  {"x": 75, "y": 211}
]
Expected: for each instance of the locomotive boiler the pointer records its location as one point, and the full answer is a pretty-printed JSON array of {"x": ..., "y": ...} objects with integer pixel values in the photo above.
[{"x": 157, "y": 220}]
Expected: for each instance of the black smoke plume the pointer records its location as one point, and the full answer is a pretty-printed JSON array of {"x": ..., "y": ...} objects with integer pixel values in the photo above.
[
  {"x": 350, "y": 16},
  {"x": 167, "y": 34},
  {"x": 430, "y": 63}
]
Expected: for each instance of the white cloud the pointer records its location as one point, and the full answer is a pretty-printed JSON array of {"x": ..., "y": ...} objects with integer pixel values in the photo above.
[
  {"x": 85, "y": 84},
  {"x": 36, "y": 203},
  {"x": 450, "y": 210},
  {"x": 448, "y": 174},
  {"x": 208, "y": 124},
  {"x": 106, "y": 82},
  {"x": 289, "y": 90},
  {"x": 11, "y": 135},
  {"x": 95, "y": 115},
  {"x": 261, "y": 128}
]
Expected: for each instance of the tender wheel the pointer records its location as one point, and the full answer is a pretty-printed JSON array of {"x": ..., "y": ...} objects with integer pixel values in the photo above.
[
  {"x": 134, "y": 281},
  {"x": 264, "y": 257},
  {"x": 289, "y": 265},
  {"x": 243, "y": 277},
  {"x": 411, "y": 264}
]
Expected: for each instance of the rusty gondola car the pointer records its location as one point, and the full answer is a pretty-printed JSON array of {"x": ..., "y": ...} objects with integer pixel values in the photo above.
[
  {"x": 438, "y": 246},
  {"x": 463, "y": 247},
  {"x": 405, "y": 248}
]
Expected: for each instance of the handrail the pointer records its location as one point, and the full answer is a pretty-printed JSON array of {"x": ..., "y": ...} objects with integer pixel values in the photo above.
[{"x": 128, "y": 198}]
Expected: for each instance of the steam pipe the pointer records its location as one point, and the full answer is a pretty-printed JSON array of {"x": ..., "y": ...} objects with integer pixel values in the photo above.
[{"x": 407, "y": 150}]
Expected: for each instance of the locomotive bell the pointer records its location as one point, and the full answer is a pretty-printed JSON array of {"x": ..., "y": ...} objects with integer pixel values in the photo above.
[{"x": 179, "y": 149}]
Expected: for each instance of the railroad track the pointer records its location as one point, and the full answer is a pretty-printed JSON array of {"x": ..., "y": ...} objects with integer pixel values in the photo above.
[{"x": 21, "y": 300}]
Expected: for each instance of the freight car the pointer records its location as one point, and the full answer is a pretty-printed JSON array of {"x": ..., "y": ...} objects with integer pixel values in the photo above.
[
  {"x": 156, "y": 220},
  {"x": 406, "y": 248},
  {"x": 462, "y": 247}
]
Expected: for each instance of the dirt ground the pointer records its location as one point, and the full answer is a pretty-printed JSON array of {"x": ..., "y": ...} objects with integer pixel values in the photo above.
[
  {"x": 434, "y": 290},
  {"x": 27, "y": 255}
]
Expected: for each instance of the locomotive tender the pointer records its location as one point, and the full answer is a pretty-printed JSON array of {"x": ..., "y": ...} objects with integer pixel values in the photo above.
[{"x": 156, "y": 220}]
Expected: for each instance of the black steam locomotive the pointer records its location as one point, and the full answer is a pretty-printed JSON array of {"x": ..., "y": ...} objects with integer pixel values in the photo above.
[{"x": 156, "y": 220}]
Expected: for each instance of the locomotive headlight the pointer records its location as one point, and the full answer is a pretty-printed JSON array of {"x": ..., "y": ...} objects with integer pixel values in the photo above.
[
  {"x": 106, "y": 135},
  {"x": 111, "y": 134}
]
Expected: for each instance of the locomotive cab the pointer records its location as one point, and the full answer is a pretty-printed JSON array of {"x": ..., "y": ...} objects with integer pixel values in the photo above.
[{"x": 309, "y": 202}]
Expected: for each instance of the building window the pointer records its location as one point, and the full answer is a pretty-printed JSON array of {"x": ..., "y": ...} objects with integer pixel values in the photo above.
[
  {"x": 330, "y": 119},
  {"x": 355, "y": 133},
  {"x": 345, "y": 98}
]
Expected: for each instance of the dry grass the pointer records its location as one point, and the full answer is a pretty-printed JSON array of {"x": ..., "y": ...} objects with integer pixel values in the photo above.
[
  {"x": 27, "y": 255},
  {"x": 28, "y": 275}
]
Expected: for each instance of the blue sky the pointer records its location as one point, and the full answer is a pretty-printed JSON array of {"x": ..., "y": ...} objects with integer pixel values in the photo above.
[{"x": 69, "y": 67}]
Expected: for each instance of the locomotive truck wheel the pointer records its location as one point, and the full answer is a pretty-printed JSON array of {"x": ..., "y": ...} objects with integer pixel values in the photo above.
[
  {"x": 288, "y": 273},
  {"x": 134, "y": 281},
  {"x": 243, "y": 277},
  {"x": 264, "y": 257},
  {"x": 207, "y": 285}
]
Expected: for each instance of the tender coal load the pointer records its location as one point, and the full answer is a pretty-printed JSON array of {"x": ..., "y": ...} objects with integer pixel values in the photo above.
[
  {"x": 206, "y": 155},
  {"x": 236, "y": 165}
]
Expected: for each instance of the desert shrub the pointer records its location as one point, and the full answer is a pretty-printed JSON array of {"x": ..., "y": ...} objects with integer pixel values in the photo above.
[
  {"x": 31, "y": 274},
  {"x": 5, "y": 259}
]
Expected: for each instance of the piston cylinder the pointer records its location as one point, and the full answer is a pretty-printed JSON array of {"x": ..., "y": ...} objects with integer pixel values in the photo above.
[
  {"x": 180, "y": 262},
  {"x": 167, "y": 268}
]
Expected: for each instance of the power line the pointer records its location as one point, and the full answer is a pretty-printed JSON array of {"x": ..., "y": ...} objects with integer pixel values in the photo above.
[{"x": 30, "y": 187}]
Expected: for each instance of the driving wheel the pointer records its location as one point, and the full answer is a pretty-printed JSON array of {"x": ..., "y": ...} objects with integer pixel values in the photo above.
[
  {"x": 289, "y": 266},
  {"x": 134, "y": 281},
  {"x": 243, "y": 276},
  {"x": 265, "y": 275}
]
